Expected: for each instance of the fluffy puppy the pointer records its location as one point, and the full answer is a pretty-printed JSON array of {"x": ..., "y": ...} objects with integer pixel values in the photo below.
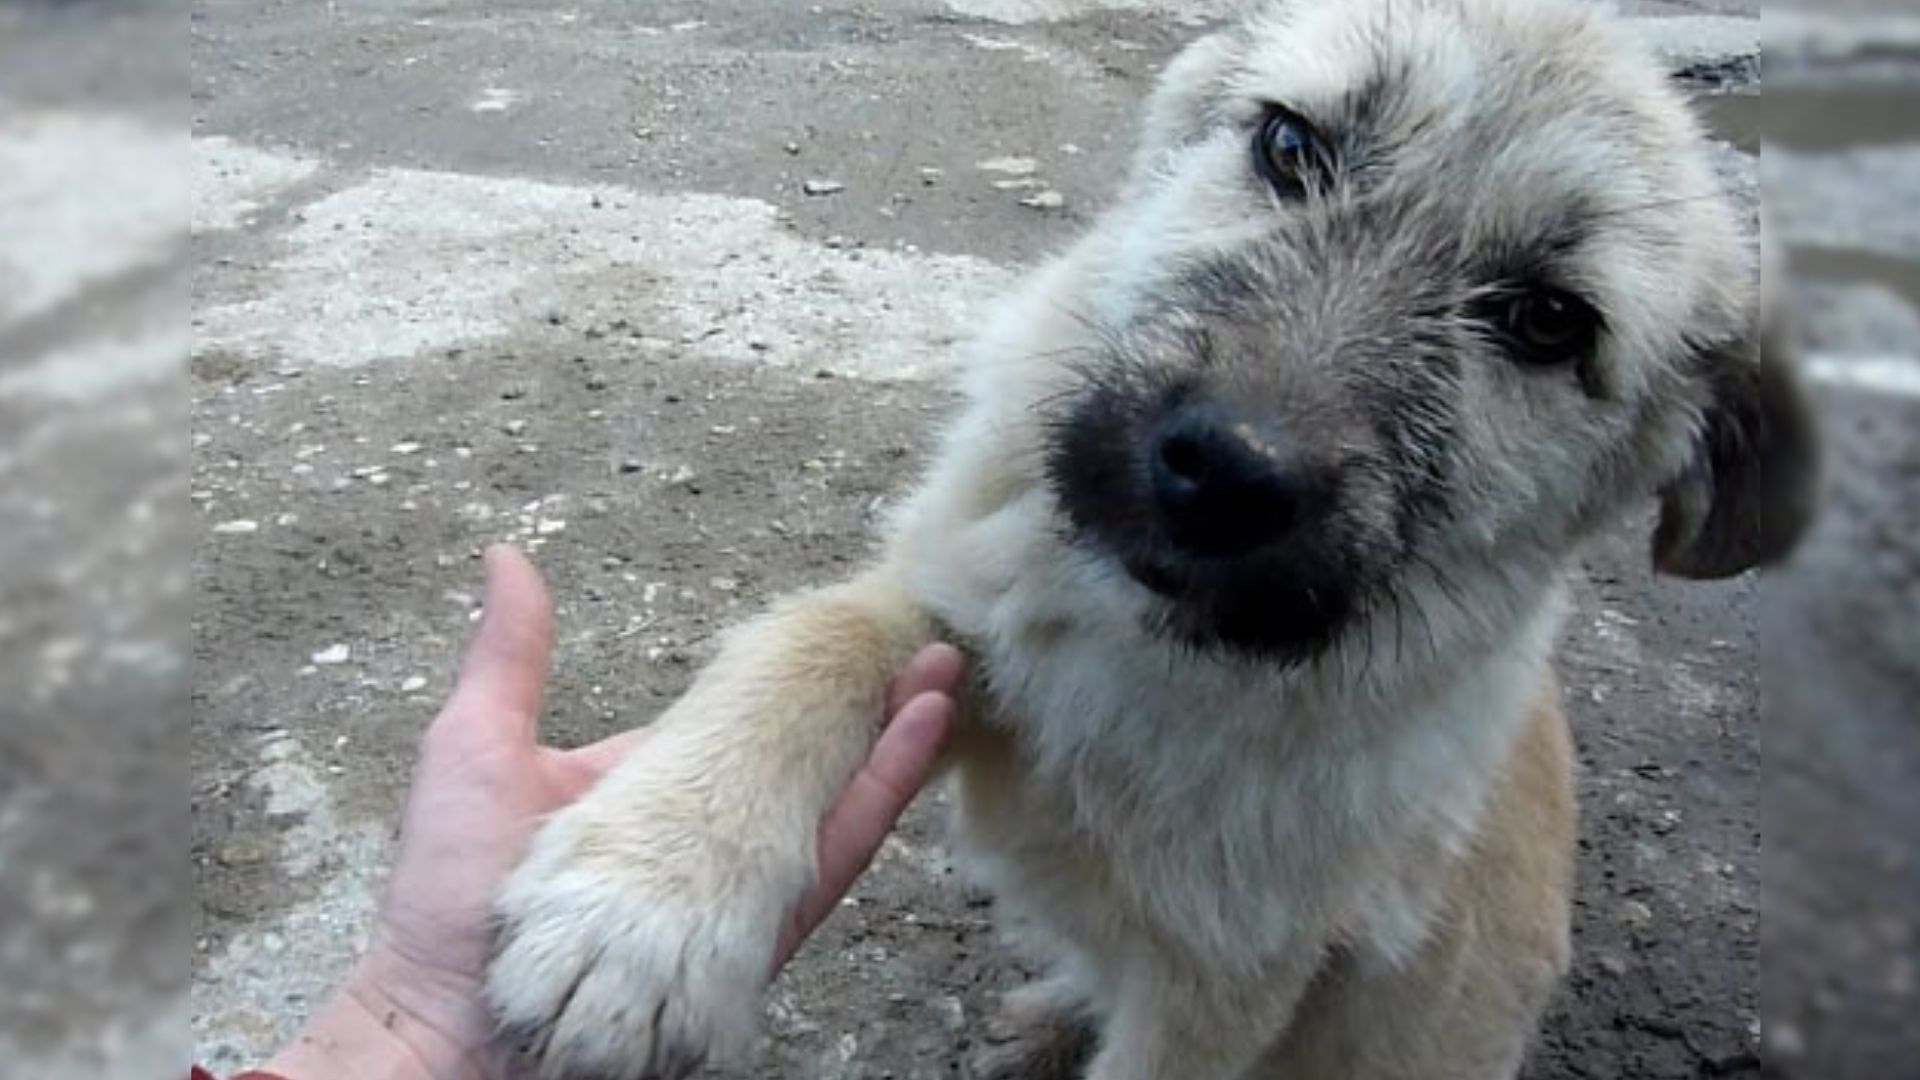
[{"x": 1255, "y": 523}]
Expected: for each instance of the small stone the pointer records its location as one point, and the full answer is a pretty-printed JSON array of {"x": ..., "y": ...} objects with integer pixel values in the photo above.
[
  {"x": 549, "y": 526},
  {"x": 285, "y": 520},
  {"x": 1024, "y": 183},
  {"x": 791, "y": 148},
  {"x": 822, "y": 187},
  {"x": 243, "y": 851},
  {"x": 405, "y": 448},
  {"x": 930, "y": 176},
  {"x": 684, "y": 475},
  {"x": 237, "y": 527},
  {"x": 514, "y": 427},
  {"x": 1635, "y": 913},
  {"x": 1045, "y": 200},
  {"x": 631, "y": 465},
  {"x": 723, "y": 584},
  {"x": 413, "y": 684},
  {"x": 333, "y": 654},
  {"x": 1012, "y": 166}
]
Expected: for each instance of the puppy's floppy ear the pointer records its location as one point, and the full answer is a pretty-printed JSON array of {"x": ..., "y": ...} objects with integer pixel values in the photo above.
[{"x": 1750, "y": 491}]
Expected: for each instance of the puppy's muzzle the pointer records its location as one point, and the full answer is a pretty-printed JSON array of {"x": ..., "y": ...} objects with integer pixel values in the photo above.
[{"x": 1220, "y": 508}]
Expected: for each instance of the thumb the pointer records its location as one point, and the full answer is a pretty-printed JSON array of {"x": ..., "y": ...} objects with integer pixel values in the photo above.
[{"x": 504, "y": 672}]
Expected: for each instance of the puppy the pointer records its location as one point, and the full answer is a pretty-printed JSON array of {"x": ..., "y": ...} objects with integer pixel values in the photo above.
[{"x": 1255, "y": 524}]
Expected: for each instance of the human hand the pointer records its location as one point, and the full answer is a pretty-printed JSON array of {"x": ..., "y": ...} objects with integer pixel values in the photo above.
[{"x": 414, "y": 1006}]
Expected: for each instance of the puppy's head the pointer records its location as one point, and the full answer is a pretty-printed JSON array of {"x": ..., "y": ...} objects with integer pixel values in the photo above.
[{"x": 1413, "y": 287}]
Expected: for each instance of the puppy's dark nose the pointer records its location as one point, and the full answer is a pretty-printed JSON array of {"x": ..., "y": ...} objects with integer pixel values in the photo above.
[{"x": 1223, "y": 485}]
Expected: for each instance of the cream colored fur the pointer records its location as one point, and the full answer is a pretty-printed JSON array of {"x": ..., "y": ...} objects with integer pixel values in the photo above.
[{"x": 1352, "y": 869}]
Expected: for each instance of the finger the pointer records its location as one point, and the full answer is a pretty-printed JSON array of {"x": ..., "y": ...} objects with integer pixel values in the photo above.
[
  {"x": 504, "y": 671},
  {"x": 936, "y": 667},
  {"x": 853, "y": 830}
]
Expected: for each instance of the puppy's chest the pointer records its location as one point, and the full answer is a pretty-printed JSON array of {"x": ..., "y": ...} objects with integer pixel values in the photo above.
[{"x": 1104, "y": 777}]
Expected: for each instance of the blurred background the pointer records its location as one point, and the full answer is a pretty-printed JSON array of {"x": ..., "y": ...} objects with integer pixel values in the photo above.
[
  {"x": 611, "y": 278},
  {"x": 95, "y": 896},
  {"x": 1840, "y": 168}
]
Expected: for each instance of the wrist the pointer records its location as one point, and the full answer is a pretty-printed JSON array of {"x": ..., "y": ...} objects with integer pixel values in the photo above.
[{"x": 375, "y": 1028}]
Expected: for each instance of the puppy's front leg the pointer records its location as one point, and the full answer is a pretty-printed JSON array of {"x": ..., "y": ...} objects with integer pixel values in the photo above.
[
  {"x": 1170, "y": 1021},
  {"x": 637, "y": 935}
]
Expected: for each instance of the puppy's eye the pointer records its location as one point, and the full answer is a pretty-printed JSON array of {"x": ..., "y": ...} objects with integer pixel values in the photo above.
[
  {"x": 1550, "y": 326},
  {"x": 1288, "y": 153}
]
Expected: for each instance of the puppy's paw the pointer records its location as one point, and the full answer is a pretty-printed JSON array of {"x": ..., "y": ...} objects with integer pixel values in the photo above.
[
  {"x": 636, "y": 963},
  {"x": 1041, "y": 1032}
]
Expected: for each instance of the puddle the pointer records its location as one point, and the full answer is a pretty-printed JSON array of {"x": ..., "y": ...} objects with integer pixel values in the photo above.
[
  {"x": 1815, "y": 118},
  {"x": 1846, "y": 265}
]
